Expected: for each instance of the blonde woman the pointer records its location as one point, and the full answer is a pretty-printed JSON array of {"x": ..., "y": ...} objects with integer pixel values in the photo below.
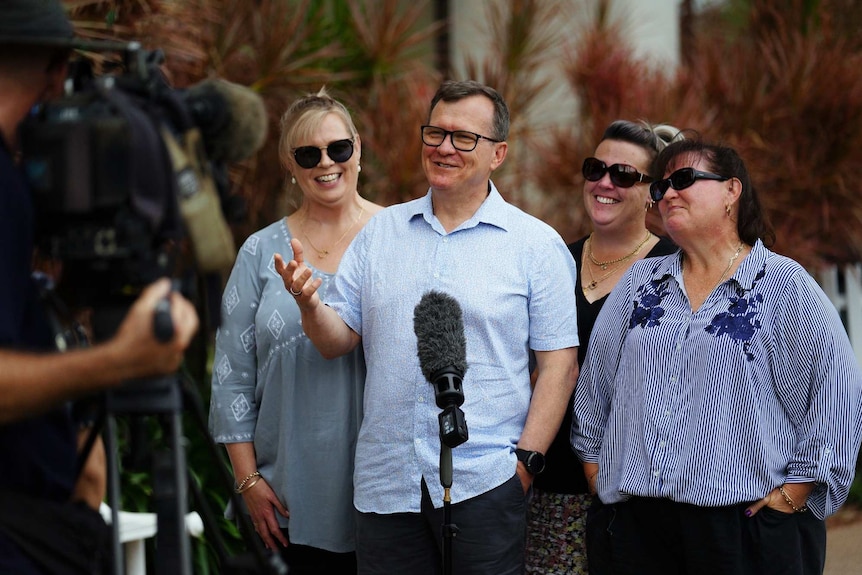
[{"x": 287, "y": 416}]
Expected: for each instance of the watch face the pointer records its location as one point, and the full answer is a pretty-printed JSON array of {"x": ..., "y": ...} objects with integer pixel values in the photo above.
[
  {"x": 536, "y": 463},
  {"x": 533, "y": 460}
]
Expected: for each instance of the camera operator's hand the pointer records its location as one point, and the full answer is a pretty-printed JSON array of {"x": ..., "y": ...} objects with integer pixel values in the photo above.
[
  {"x": 136, "y": 338},
  {"x": 34, "y": 382}
]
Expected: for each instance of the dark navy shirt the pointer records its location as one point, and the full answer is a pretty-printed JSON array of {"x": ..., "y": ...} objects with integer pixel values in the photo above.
[{"x": 38, "y": 453}]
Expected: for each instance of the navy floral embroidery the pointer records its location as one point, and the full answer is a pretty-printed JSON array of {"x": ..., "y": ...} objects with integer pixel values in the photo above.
[
  {"x": 647, "y": 304},
  {"x": 740, "y": 320}
]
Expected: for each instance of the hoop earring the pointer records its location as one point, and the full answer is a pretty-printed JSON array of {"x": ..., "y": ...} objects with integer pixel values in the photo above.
[{"x": 650, "y": 203}]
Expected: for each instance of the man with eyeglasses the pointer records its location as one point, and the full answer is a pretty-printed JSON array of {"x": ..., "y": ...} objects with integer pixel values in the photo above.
[{"x": 514, "y": 279}]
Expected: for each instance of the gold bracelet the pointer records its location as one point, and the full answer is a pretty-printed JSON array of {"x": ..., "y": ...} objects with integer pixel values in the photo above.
[
  {"x": 249, "y": 486},
  {"x": 241, "y": 487},
  {"x": 790, "y": 502}
]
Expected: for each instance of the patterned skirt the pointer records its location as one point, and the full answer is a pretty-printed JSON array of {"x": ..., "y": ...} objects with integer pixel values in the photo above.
[{"x": 556, "y": 530}]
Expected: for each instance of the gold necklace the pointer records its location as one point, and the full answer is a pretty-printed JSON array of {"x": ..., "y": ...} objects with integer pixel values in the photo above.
[
  {"x": 604, "y": 265},
  {"x": 730, "y": 262},
  {"x": 594, "y": 282},
  {"x": 321, "y": 254}
]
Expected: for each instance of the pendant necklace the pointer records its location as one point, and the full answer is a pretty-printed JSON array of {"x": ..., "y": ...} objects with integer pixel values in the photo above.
[{"x": 322, "y": 253}]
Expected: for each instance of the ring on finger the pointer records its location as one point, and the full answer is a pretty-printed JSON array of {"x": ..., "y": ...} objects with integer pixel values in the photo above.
[{"x": 294, "y": 293}]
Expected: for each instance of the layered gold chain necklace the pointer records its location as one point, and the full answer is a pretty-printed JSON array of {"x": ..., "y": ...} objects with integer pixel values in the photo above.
[
  {"x": 604, "y": 265},
  {"x": 322, "y": 253}
]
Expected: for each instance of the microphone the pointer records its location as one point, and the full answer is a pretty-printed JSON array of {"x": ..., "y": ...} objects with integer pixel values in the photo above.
[
  {"x": 442, "y": 351},
  {"x": 230, "y": 125},
  {"x": 232, "y": 119}
]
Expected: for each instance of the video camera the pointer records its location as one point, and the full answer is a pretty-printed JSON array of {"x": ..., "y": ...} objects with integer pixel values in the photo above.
[{"x": 124, "y": 168}]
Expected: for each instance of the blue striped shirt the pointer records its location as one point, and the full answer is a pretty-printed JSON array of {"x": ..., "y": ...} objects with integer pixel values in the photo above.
[
  {"x": 514, "y": 279},
  {"x": 757, "y": 388}
]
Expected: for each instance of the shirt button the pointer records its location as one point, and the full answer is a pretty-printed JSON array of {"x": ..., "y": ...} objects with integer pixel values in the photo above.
[
  {"x": 421, "y": 399},
  {"x": 655, "y": 473},
  {"x": 666, "y": 412},
  {"x": 662, "y": 443}
]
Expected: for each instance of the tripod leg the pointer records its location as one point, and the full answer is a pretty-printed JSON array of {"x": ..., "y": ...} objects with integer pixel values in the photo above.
[
  {"x": 170, "y": 494},
  {"x": 113, "y": 492}
]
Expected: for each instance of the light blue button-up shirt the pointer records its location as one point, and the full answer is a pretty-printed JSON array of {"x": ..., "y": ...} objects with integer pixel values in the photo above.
[
  {"x": 514, "y": 280},
  {"x": 756, "y": 388}
]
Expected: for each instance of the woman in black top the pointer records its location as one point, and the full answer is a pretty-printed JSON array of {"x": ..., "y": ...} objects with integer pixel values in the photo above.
[{"x": 616, "y": 198}]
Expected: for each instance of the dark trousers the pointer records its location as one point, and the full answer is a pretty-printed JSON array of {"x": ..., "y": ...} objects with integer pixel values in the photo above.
[
  {"x": 490, "y": 539},
  {"x": 306, "y": 560},
  {"x": 658, "y": 536}
]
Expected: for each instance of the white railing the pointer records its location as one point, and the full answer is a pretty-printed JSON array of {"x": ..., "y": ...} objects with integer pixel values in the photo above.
[
  {"x": 844, "y": 287},
  {"x": 136, "y": 528}
]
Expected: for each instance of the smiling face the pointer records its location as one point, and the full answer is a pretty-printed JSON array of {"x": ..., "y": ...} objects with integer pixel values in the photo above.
[
  {"x": 608, "y": 205},
  {"x": 328, "y": 182},
  {"x": 464, "y": 173}
]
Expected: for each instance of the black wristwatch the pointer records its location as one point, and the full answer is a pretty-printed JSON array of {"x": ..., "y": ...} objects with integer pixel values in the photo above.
[{"x": 532, "y": 460}]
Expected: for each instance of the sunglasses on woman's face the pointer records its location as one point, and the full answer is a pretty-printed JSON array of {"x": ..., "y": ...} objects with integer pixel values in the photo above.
[
  {"x": 309, "y": 156},
  {"x": 622, "y": 175},
  {"x": 680, "y": 180}
]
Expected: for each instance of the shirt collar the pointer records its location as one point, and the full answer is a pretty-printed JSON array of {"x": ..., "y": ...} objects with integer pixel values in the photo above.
[
  {"x": 492, "y": 211},
  {"x": 745, "y": 275}
]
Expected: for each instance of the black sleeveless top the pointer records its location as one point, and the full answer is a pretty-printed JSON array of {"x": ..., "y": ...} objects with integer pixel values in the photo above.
[{"x": 563, "y": 470}]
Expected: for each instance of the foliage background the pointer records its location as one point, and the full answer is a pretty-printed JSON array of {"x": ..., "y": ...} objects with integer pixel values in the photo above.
[{"x": 780, "y": 80}]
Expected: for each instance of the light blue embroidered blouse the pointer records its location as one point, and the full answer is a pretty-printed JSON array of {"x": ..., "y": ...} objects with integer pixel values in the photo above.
[{"x": 271, "y": 386}]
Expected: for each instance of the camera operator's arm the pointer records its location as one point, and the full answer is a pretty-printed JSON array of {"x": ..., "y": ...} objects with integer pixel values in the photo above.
[
  {"x": 92, "y": 483},
  {"x": 323, "y": 326},
  {"x": 31, "y": 382}
]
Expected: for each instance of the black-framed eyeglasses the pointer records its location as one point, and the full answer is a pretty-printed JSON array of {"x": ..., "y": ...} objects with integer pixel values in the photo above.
[
  {"x": 680, "y": 180},
  {"x": 622, "y": 175},
  {"x": 462, "y": 140},
  {"x": 309, "y": 156}
]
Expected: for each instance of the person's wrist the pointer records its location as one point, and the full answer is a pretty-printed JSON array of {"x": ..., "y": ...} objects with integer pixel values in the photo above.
[{"x": 797, "y": 507}]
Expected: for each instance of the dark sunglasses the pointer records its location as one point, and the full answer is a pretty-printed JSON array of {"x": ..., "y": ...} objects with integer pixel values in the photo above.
[
  {"x": 309, "y": 156},
  {"x": 680, "y": 180},
  {"x": 622, "y": 175}
]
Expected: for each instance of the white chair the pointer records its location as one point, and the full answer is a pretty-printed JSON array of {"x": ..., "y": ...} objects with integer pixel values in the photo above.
[{"x": 136, "y": 528}]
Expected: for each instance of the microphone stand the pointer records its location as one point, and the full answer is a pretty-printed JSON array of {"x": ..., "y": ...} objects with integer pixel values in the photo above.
[
  {"x": 453, "y": 432},
  {"x": 449, "y": 529}
]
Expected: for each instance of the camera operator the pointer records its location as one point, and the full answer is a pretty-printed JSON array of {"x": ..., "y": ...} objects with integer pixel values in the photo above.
[{"x": 38, "y": 517}]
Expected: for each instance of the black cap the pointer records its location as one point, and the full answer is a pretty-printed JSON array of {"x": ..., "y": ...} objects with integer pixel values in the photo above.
[
  {"x": 45, "y": 23},
  {"x": 36, "y": 23}
]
